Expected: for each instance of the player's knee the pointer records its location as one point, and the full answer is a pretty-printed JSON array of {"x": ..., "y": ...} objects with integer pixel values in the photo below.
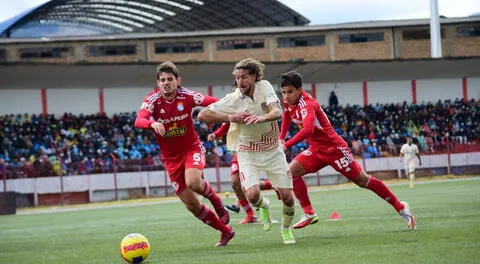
[{"x": 361, "y": 180}]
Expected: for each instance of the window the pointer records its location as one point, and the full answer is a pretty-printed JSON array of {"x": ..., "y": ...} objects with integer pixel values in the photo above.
[
  {"x": 303, "y": 41},
  {"x": 43, "y": 53},
  {"x": 363, "y": 37},
  {"x": 240, "y": 44},
  {"x": 419, "y": 34},
  {"x": 473, "y": 31},
  {"x": 3, "y": 55},
  {"x": 179, "y": 47},
  {"x": 96, "y": 51}
]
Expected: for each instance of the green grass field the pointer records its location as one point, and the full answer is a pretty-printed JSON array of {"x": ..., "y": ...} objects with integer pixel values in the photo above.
[{"x": 369, "y": 231}]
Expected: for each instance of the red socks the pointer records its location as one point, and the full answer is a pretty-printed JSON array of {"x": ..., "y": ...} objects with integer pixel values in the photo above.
[
  {"x": 210, "y": 218},
  {"x": 267, "y": 185},
  {"x": 213, "y": 197},
  {"x": 301, "y": 192},
  {"x": 378, "y": 187},
  {"x": 247, "y": 207}
]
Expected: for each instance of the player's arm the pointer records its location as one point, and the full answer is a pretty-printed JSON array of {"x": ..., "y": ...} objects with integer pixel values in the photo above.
[
  {"x": 308, "y": 127},
  {"x": 207, "y": 100},
  {"x": 286, "y": 121},
  {"x": 274, "y": 113},
  {"x": 209, "y": 116},
  {"x": 220, "y": 132},
  {"x": 418, "y": 156},
  {"x": 143, "y": 121}
]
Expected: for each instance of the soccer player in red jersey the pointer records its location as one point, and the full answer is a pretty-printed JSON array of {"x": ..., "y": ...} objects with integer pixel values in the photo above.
[
  {"x": 168, "y": 111},
  {"x": 326, "y": 147}
]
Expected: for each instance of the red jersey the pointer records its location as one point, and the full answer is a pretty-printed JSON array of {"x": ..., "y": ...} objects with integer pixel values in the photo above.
[
  {"x": 313, "y": 124},
  {"x": 176, "y": 116}
]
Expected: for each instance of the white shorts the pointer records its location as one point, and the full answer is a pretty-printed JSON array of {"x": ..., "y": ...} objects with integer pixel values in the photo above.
[
  {"x": 273, "y": 163},
  {"x": 409, "y": 167}
]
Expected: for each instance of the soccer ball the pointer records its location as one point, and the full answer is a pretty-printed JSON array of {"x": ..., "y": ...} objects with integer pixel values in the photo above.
[{"x": 134, "y": 248}]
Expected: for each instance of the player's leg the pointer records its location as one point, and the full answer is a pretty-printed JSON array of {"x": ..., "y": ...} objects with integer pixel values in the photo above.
[
  {"x": 267, "y": 185},
  {"x": 280, "y": 177},
  {"x": 204, "y": 214},
  {"x": 411, "y": 175},
  {"x": 249, "y": 177},
  {"x": 242, "y": 199},
  {"x": 194, "y": 164},
  {"x": 307, "y": 162},
  {"x": 356, "y": 174}
]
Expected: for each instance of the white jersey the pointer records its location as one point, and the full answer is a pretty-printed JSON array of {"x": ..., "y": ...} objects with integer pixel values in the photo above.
[
  {"x": 254, "y": 137},
  {"x": 410, "y": 153}
]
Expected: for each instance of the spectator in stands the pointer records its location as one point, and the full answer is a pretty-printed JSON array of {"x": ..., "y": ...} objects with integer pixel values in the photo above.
[{"x": 333, "y": 99}]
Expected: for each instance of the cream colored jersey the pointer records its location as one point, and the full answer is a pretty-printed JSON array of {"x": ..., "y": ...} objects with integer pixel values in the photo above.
[
  {"x": 410, "y": 153},
  {"x": 254, "y": 137}
]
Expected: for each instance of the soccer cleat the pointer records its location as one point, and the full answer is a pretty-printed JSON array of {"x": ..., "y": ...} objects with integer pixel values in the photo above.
[
  {"x": 233, "y": 208},
  {"x": 266, "y": 219},
  {"x": 287, "y": 236},
  {"x": 225, "y": 238},
  {"x": 224, "y": 216},
  {"x": 249, "y": 219},
  {"x": 306, "y": 220},
  {"x": 407, "y": 216}
]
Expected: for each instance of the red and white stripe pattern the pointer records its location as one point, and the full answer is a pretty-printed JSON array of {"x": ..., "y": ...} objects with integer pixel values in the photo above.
[{"x": 269, "y": 141}]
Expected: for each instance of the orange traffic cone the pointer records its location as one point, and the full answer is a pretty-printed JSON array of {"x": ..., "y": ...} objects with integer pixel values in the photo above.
[{"x": 335, "y": 216}]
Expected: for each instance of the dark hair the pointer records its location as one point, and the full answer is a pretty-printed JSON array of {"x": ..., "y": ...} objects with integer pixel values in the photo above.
[
  {"x": 292, "y": 78},
  {"x": 252, "y": 66},
  {"x": 168, "y": 67}
]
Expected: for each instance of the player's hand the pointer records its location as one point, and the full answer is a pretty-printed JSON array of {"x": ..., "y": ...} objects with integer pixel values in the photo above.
[
  {"x": 158, "y": 128},
  {"x": 238, "y": 117},
  {"x": 252, "y": 119},
  {"x": 282, "y": 143},
  {"x": 211, "y": 137}
]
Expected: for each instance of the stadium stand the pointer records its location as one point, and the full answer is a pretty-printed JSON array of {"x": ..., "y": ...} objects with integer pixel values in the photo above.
[{"x": 39, "y": 146}]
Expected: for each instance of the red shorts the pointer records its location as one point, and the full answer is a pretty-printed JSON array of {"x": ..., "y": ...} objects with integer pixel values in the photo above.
[
  {"x": 176, "y": 166},
  {"x": 234, "y": 164},
  {"x": 340, "y": 158}
]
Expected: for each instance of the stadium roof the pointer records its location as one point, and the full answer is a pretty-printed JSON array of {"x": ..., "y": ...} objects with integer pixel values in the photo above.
[{"x": 89, "y": 17}]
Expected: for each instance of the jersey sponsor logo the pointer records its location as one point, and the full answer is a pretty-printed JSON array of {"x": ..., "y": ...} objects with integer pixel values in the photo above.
[
  {"x": 172, "y": 119},
  {"x": 175, "y": 131},
  {"x": 180, "y": 106}
]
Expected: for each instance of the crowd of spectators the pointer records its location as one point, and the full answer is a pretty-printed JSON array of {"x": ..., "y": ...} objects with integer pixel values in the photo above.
[{"x": 37, "y": 145}]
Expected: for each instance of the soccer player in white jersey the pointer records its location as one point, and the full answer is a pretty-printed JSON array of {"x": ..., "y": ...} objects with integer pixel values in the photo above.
[
  {"x": 253, "y": 110},
  {"x": 408, "y": 152}
]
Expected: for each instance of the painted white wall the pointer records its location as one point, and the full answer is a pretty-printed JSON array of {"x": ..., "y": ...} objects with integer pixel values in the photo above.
[
  {"x": 157, "y": 178},
  {"x": 129, "y": 99},
  {"x": 19, "y": 101},
  {"x": 389, "y": 92},
  {"x": 347, "y": 93},
  {"x": 117, "y": 100},
  {"x": 75, "y": 101},
  {"x": 439, "y": 89},
  {"x": 473, "y": 88}
]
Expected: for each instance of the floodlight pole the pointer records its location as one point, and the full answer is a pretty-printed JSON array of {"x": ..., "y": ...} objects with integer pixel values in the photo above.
[{"x": 435, "y": 37}]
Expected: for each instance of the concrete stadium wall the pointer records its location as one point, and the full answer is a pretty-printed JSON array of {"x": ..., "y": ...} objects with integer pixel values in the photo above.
[
  {"x": 101, "y": 187},
  {"x": 115, "y": 100}
]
